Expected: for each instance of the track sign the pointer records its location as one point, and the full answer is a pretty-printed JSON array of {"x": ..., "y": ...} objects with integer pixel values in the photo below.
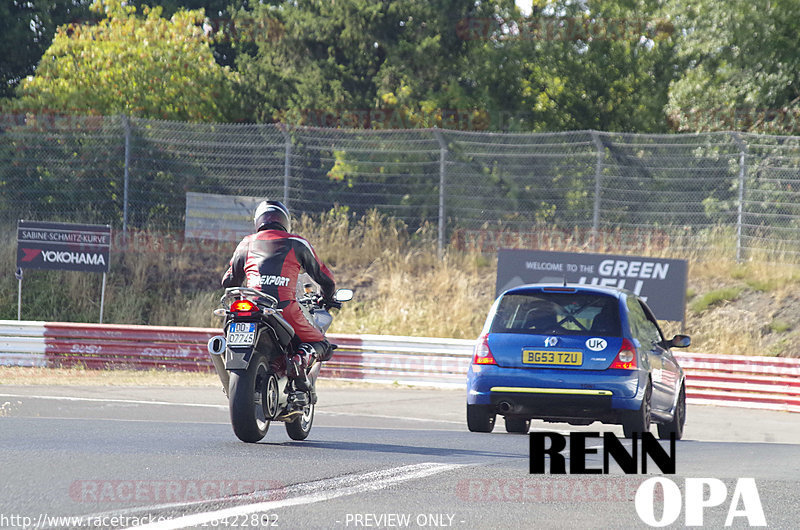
[
  {"x": 660, "y": 282},
  {"x": 220, "y": 217},
  {"x": 63, "y": 246}
]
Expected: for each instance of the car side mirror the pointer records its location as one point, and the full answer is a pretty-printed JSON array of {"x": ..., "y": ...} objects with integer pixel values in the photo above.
[{"x": 680, "y": 341}]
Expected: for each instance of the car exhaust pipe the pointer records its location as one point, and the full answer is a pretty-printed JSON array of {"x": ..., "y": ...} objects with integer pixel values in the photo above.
[
  {"x": 504, "y": 407},
  {"x": 216, "y": 348}
]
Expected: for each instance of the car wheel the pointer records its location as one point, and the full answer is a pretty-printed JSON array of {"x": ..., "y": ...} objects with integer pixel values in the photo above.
[
  {"x": 517, "y": 425},
  {"x": 639, "y": 420},
  {"x": 480, "y": 418},
  {"x": 678, "y": 419}
]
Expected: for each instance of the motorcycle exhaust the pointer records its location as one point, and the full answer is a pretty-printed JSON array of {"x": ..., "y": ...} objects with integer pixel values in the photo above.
[
  {"x": 216, "y": 348},
  {"x": 313, "y": 373},
  {"x": 216, "y": 345}
]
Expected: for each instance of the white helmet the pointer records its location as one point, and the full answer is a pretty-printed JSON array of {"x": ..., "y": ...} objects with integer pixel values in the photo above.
[{"x": 272, "y": 213}]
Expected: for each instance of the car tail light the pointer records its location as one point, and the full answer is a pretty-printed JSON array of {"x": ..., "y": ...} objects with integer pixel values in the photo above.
[
  {"x": 483, "y": 355},
  {"x": 626, "y": 358},
  {"x": 244, "y": 308}
]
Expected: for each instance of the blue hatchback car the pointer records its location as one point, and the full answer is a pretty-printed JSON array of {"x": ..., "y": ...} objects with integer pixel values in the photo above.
[{"x": 575, "y": 354}]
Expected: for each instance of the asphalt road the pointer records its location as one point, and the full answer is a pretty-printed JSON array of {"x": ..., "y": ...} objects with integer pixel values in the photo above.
[{"x": 377, "y": 457}]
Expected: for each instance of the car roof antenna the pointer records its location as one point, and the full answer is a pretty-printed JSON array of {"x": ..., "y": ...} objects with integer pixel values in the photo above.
[{"x": 565, "y": 280}]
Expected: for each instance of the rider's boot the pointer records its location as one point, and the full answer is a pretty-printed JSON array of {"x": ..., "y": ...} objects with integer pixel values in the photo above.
[{"x": 296, "y": 370}]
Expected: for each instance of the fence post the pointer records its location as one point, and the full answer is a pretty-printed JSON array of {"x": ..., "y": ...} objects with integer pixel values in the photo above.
[
  {"x": 598, "y": 174},
  {"x": 740, "y": 207},
  {"x": 442, "y": 182},
  {"x": 287, "y": 162},
  {"x": 126, "y": 123}
]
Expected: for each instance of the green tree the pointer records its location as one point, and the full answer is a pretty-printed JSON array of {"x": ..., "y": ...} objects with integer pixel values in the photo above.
[
  {"x": 598, "y": 64},
  {"x": 26, "y": 30},
  {"x": 440, "y": 71},
  {"x": 358, "y": 55},
  {"x": 740, "y": 68},
  {"x": 135, "y": 64}
]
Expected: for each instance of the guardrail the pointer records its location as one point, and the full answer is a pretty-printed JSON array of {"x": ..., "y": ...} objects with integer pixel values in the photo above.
[{"x": 729, "y": 380}]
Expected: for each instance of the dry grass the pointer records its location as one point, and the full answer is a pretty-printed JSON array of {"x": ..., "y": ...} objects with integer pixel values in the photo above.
[{"x": 402, "y": 286}]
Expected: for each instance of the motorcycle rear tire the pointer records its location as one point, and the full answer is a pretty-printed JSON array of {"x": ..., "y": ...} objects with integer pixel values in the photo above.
[{"x": 247, "y": 395}]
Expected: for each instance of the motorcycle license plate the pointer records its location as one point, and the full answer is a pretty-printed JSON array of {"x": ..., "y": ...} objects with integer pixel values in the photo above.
[{"x": 241, "y": 333}]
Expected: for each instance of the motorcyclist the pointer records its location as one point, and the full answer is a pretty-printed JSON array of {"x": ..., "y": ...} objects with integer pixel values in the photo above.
[{"x": 271, "y": 260}]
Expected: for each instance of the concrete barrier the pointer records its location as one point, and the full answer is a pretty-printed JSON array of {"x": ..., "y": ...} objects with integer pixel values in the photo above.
[{"x": 730, "y": 380}]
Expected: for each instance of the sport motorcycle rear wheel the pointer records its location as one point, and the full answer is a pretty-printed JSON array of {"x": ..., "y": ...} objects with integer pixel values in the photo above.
[{"x": 253, "y": 398}]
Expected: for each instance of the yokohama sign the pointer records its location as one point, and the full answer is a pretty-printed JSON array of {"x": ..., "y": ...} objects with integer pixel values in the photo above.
[{"x": 61, "y": 246}]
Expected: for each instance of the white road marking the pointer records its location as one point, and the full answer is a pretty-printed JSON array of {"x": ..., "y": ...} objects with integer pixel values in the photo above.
[
  {"x": 385, "y": 417},
  {"x": 313, "y": 492},
  {"x": 222, "y": 407},
  {"x": 126, "y": 401}
]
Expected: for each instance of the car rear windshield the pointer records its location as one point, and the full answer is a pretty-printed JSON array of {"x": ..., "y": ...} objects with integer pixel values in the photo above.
[{"x": 557, "y": 314}]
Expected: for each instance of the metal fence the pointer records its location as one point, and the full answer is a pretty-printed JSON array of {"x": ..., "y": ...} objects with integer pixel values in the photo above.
[{"x": 737, "y": 191}]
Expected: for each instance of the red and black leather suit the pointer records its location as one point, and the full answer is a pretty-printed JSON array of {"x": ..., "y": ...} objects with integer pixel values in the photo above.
[{"x": 271, "y": 260}]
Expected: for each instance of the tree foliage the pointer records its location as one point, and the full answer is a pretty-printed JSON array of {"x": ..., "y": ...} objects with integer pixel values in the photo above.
[
  {"x": 613, "y": 65},
  {"x": 133, "y": 63},
  {"x": 465, "y": 64},
  {"x": 739, "y": 66},
  {"x": 598, "y": 64},
  {"x": 26, "y": 30}
]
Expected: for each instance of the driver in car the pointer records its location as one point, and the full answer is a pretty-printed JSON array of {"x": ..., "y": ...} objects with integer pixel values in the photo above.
[{"x": 270, "y": 260}]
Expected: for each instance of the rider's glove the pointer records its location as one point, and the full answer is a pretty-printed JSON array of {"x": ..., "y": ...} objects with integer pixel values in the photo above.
[{"x": 328, "y": 304}]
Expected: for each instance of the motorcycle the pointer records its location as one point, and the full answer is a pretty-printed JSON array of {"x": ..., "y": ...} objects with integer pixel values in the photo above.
[{"x": 251, "y": 361}]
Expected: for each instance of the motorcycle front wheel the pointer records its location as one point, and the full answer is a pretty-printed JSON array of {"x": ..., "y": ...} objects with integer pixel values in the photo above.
[
  {"x": 300, "y": 427},
  {"x": 252, "y": 393}
]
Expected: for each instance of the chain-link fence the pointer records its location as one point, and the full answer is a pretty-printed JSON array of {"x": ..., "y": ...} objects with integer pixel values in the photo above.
[{"x": 478, "y": 188}]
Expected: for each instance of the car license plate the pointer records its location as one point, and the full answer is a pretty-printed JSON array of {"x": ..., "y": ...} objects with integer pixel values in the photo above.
[
  {"x": 241, "y": 333},
  {"x": 562, "y": 358}
]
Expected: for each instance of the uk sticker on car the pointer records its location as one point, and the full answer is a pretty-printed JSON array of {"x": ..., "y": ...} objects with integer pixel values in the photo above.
[{"x": 596, "y": 344}]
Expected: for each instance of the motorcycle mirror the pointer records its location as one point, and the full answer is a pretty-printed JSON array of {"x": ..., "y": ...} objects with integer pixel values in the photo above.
[{"x": 343, "y": 295}]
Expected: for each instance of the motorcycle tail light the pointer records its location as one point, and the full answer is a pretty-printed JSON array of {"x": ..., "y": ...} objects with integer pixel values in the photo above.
[
  {"x": 244, "y": 308},
  {"x": 626, "y": 358}
]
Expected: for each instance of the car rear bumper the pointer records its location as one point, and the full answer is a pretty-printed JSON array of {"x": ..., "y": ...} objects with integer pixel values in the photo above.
[
  {"x": 558, "y": 395},
  {"x": 554, "y": 404}
]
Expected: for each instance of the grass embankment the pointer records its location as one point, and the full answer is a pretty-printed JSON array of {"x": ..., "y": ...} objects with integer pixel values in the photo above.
[{"x": 402, "y": 286}]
